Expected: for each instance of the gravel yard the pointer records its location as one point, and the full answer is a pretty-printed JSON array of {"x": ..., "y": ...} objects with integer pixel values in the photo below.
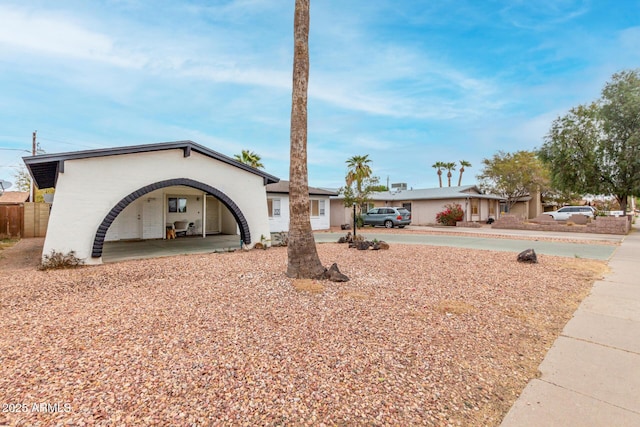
[{"x": 421, "y": 335}]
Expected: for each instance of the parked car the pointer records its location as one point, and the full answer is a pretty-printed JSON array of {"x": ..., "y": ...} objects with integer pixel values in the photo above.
[
  {"x": 389, "y": 217},
  {"x": 564, "y": 213}
]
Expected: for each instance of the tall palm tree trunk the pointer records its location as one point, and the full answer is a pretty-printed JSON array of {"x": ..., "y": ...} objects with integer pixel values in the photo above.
[{"x": 303, "y": 260}]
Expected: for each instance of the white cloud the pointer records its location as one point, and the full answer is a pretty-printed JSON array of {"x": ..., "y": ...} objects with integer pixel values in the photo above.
[{"x": 56, "y": 35}]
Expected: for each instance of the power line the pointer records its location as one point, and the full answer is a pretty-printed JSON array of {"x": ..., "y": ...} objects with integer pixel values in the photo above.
[{"x": 15, "y": 149}]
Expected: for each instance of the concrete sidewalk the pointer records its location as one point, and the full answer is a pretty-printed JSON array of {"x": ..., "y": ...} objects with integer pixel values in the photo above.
[{"x": 591, "y": 374}]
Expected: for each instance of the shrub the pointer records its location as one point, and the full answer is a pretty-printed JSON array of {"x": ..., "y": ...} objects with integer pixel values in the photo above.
[
  {"x": 451, "y": 214},
  {"x": 57, "y": 260}
]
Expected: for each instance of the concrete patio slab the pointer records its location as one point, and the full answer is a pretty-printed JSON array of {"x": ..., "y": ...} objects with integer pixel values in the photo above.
[{"x": 126, "y": 250}]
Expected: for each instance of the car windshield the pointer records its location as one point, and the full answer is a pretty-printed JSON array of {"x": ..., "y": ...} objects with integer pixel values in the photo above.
[{"x": 403, "y": 211}]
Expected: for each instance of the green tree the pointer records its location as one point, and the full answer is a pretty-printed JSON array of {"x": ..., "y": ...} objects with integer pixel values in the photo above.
[
  {"x": 449, "y": 166},
  {"x": 303, "y": 260},
  {"x": 463, "y": 164},
  {"x": 250, "y": 158},
  {"x": 559, "y": 198},
  {"x": 376, "y": 187},
  {"x": 22, "y": 179},
  {"x": 595, "y": 148},
  {"x": 360, "y": 197},
  {"x": 513, "y": 175},
  {"x": 438, "y": 166}
]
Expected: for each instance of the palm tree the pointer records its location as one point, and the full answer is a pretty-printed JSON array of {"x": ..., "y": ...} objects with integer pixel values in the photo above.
[
  {"x": 250, "y": 158},
  {"x": 449, "y": 166},
  {"x": 303, "y": 260},
  {"x": 359, "y": 170},
  {"x": 439, "y": 166},
  {"x": 463, "y": 164}
]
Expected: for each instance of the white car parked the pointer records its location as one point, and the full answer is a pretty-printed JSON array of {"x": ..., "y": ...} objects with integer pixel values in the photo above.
[{"x": 564, "y": 213}]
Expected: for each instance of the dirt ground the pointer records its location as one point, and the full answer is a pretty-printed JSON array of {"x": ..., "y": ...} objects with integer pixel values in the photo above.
[
  {"x": 419, "y": 336},
  {"x": 25, "y": 254}
]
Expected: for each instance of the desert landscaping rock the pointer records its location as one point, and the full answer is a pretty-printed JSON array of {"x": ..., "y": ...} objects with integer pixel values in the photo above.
[
  {"x": 528, "y": 256},
  {"x": 334, "y": 274},
  {"x": 441, "y": 336}
]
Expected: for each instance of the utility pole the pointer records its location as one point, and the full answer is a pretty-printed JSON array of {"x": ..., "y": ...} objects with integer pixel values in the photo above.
[{"x": 33, "y": 152}]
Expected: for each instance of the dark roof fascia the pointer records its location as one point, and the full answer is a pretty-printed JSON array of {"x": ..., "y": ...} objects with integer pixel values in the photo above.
[
  {"x": 187, "y": 146},
  {"x": 312, "y": 192}
]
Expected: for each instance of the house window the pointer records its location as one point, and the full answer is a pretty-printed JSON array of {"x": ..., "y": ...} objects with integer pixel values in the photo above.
[
  {"x": 177, "y": 204},
  {"x": 407, "y": 206},
  {"x": 273, "y": 205},
  {"x": 474, "y": 206},
  {"x": 317, "y": 207},
  {"x": 492, "y": 208}
]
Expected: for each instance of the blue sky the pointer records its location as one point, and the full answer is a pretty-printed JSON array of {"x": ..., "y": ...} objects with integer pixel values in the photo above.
[{"x": 407, "y": 82}]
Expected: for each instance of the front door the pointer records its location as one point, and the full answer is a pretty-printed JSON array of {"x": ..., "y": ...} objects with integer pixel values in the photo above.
[{"x": 213, "y": 215}]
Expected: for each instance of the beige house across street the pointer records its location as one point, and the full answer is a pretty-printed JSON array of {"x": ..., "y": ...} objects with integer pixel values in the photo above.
[{"x": 426, "y": 203}]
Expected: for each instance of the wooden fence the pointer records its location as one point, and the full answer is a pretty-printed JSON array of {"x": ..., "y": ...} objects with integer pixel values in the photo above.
[
  {"x": 24, "y": 220},
  {"x": 11, "y": 221}
]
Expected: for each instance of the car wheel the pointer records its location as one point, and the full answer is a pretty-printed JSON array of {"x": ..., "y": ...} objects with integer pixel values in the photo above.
[
  {"x": 388, "y": 224},
  {"x": 401, "y": 226}
]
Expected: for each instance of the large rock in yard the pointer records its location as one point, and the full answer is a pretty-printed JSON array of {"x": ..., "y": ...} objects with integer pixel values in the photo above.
[
  {"x": 334, "y": 274},
  {"x": 528, "y": 256},
  {"x": 363, "y": 245}
]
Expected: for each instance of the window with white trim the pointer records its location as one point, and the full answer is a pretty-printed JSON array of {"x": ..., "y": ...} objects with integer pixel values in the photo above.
[
  {"x": 474, "y": 206},
  {"x": 273, "y": 206},
  {"x": 317, "y": 207}
]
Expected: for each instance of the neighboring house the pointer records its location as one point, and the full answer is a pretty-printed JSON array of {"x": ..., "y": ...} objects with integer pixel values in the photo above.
[
  {"x": 135, "y": 192},
  {"x": 278, "y": 207},
  {"x": 425, "y": 204},
  {"x": 526, "y": 207}
]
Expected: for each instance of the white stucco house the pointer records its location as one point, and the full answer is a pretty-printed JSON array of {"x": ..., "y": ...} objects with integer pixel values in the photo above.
[
  {"x": 136, "y": 192},
  {"x": 278, "y": 207}
]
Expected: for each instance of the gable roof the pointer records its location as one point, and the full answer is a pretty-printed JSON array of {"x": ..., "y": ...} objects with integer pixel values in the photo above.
[
  {"x": 438, "y": 193},
  {"x": 44, "y": 168},
  {"x": 282, "y": 187},
  {"x": 12, "y": 197}
]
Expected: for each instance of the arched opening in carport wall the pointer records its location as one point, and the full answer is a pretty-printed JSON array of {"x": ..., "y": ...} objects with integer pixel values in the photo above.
[{"x": 157, "y": 197}]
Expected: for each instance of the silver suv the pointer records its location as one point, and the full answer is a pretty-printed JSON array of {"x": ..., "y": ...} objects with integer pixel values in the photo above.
[
  {"x": 389, "y": 217},
  {"x": 564, "y": 213}
]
